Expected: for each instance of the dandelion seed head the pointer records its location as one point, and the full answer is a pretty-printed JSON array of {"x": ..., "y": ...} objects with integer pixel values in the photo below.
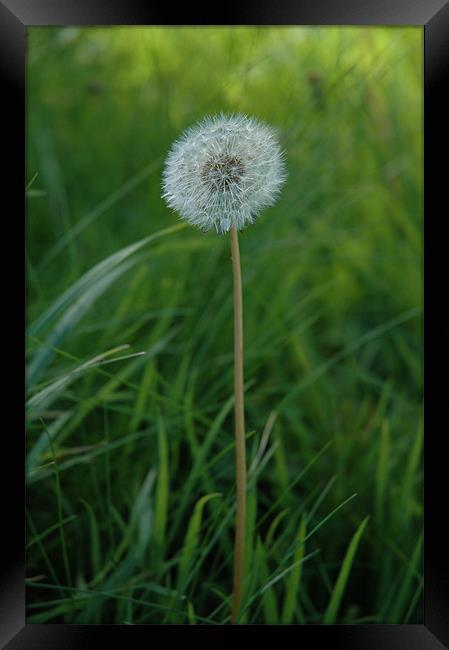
[{"x": 223, "y": 172}]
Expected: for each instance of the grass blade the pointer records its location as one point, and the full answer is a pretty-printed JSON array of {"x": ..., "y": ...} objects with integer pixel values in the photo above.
[
  {"x": 294, "y": 580},
  {"x": 192, "y": 538},
  {"x": 97, "y": 272},
  {"x": 162, "y": 490},
  {"x": 403, "y": 596},
  {"x": 340, "y": 585}
]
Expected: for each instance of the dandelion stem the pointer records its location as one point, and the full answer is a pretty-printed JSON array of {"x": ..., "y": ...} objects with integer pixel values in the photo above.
[{"x": 239, "y": 549}]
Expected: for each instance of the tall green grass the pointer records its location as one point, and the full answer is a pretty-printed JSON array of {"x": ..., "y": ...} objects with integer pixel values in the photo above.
[{"x": 130, "y": 448}]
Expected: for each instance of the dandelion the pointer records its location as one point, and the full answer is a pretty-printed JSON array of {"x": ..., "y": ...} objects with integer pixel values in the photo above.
[{"x": 221, "y": 174}]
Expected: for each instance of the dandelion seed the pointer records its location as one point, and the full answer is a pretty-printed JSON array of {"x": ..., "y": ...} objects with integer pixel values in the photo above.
[{"x": 223, "y": 172}]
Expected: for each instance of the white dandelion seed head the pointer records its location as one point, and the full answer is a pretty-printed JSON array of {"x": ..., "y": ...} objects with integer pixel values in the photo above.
[{"x": 223, "y": 172}]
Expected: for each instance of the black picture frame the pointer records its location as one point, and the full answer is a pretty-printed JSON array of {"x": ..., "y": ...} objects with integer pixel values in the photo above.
[{"x": 433, "y": 16}]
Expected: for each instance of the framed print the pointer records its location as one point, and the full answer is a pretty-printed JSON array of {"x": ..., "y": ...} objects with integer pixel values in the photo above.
[{"x": 228, "y": 250}]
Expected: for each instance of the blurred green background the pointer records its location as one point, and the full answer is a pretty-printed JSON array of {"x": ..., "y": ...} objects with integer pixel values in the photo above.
[{"x": 130, "y": 459}]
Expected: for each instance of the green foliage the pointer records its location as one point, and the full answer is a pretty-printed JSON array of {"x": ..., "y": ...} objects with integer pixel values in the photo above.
[{"x": 129, "y": 349}]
